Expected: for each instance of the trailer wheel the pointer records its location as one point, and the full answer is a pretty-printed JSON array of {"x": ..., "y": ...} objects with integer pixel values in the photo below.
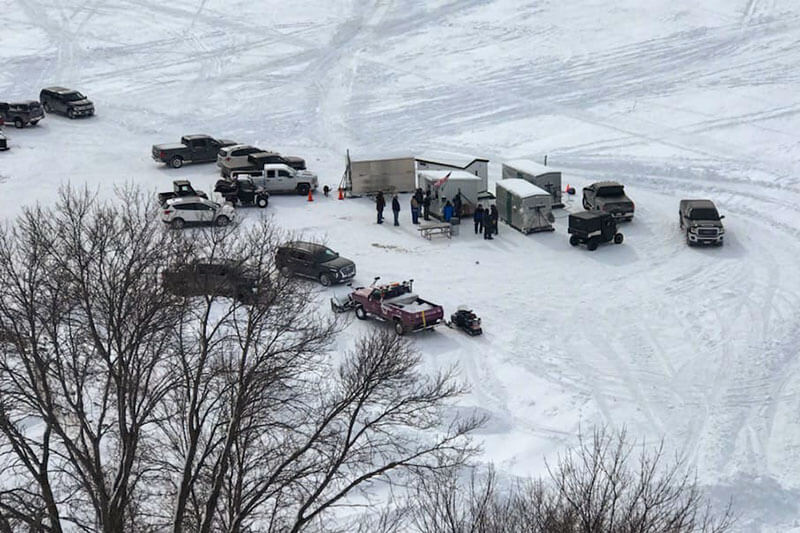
[
  {"x": 574, "y": 240},
  {"x": 399, "y": 328},
  {"x": 592, "y": 244},
  {"x": 618, "y": 238},
  {"x": 361, "y": 313}
]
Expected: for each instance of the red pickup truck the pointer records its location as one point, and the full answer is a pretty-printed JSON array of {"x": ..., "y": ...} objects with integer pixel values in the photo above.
[{"x": 393, "y": 302}]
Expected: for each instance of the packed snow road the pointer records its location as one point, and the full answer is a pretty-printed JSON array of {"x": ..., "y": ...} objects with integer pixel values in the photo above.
[{"x": 673, "y": 98}]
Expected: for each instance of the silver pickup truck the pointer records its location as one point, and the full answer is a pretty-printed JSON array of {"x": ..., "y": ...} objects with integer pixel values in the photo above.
[
  {"x": 279, "y": 178},
  {"x": 702, "y": 222}
]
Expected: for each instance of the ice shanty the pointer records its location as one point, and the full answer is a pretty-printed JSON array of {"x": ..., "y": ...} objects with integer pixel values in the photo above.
[
  {"x": 388, "y": 175},
  {"x": 524, "y": 206},
  {"x": 446, "y": 184},
  {"x": 540, "y": 175}
]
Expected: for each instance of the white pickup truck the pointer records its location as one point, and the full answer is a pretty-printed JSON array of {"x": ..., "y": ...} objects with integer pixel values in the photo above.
[{"x": 279, "y": 178}]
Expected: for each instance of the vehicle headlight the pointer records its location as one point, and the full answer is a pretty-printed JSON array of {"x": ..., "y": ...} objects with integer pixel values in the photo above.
[
  {"x": 692, "y": 229},
  {"x": 721, "y": 231}
]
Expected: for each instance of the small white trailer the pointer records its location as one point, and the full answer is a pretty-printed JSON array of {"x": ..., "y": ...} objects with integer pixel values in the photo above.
[
  {"x": 478, "y": 166},
  {"x": 543, "y": 177},
  {"x": 524, "y": 206},
  {"x": 446, "y": 184}
]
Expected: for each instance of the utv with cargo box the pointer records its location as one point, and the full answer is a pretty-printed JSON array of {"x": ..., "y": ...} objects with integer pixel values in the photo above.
[{"x": 593, "y": 227}]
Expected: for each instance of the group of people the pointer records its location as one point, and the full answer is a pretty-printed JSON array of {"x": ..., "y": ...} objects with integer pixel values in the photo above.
[
  {"x": 420, "y": 204},
  {"x": 486, "y": 219}
]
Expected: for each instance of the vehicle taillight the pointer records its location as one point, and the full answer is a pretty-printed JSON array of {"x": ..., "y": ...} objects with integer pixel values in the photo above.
[
  {"x": 167, "y": 211},
  {"x": 227, "y": 159},
  {"x": 161, "y": 154}
]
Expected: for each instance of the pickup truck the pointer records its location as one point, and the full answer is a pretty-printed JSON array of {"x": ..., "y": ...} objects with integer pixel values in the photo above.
[
  {"x": 179, "y": 188},
  {"x": 22, "y": 114},
  {"x": 256, "y": 162},
  {"x": 280, "y": 178},
  {"x": 608, "y": 196},
  {"x": 192, "y": 149},
  {"x": 702, "y": 222},
  {"x": 395, "y": 303}
]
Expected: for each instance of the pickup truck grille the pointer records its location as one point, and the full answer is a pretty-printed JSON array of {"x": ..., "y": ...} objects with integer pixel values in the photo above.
[
  {"x": 707, "y": 232},
  {"x": 348, "y": 271}
]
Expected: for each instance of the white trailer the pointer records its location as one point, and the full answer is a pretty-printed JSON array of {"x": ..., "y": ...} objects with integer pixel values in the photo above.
[
  {"x": 524, "y": 206},
  {"x": 543, "y": 177},
  {"x": 389, "y": 175},
  {"x": 478, "y": 166},
  {"x": 459, "y": 182}
]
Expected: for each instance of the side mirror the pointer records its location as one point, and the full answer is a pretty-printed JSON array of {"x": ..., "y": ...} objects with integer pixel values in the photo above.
[{"x": 721, "y": 217}]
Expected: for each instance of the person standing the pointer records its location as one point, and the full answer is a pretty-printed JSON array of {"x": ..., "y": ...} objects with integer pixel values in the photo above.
[
  {"x": 419, "y": 196},
  {"x": 457, "y": 205},
  {"x": 415, "y": 209},
  {"x": 380, "y": 203},
  {"x": 495, "y": 215},
  {"x": 487, "y": 224},
  {"x": 447, "y": 212},
  {"x": 477, "y": 217},
  {"x": 396, "y": 209},
  {"x": 426, "y": 205}
]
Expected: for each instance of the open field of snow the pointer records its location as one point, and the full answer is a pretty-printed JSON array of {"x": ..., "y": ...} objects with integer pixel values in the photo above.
[{"x": 675, "y": 98}]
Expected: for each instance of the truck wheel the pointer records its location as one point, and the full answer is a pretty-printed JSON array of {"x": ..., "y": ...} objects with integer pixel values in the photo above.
[
  {"x": 222, "y": 220},
  {"x": 574, "y": 240},
  {"x": 177, "y": 223},
  {"x": 303, "y": 189},
  {"x": 176, "y": 162},
  {"x": 618, "y": 238},
  {"x": 18, "y": 123},
  {"x": 592, "y": 245},
  {"x": 262, "y": 201},
  {"x": 286, "y": 271},
  {"x": 399, "y": 328},
  {"x": 325, "y": 279},
  {"x": 361, "y": 313}
]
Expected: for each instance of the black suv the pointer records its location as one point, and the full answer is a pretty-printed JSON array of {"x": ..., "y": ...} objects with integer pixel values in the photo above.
[
  {"x": 315, "y": 261},
  {"x": 228, "y": 279},
  {"x": 66, "y": 101},
  {"x": 21, "y": 114}
]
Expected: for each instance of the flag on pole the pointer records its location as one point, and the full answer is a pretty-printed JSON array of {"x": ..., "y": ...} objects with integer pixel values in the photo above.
[{"x": 438, "y": 183}]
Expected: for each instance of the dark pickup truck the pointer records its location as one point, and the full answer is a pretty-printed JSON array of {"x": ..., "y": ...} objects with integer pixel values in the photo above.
[
  {"x": 702, "y": 222},
  {"x": 608, "y": 196},
  {"x": 22, "y": 114},
  {"x": 192, "y": 149},
  {"x": 227, "y": 279},
  {"x": 179, "y": 188},
  {"x": 256, "y": 162}
]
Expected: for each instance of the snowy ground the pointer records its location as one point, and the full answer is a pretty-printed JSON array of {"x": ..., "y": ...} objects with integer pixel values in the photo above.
[{"x": 675, "y": 98}]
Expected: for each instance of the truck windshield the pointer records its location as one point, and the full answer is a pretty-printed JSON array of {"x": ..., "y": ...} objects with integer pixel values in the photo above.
[
  {"x": 74, "y": 97},
  {"x": 612, "y": 191},
  {"x": 327, "y": 255},
  {"x": 705, "y": 213}
]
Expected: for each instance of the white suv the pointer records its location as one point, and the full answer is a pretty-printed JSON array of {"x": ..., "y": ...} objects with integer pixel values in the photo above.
[
  {"x": 236, "y": 155},
  {"x": 179, "y": 212}
]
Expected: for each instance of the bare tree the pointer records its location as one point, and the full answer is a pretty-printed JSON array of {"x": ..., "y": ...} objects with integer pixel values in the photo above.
[
  {"x": 85, "y": 327},
  {"x": 605, "y": 484}
]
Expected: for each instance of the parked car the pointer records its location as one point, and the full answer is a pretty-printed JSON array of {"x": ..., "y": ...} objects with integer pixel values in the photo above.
[
  {"x": 183, "y": 211},
  {"x": 702, "y": 222},
  {"x": 282, "y": 179},
  {"x": 180, "y": 188},
  {"x": 395, "y": 303},
  {"x": 236, "y": 154},
  {"x": 191, "y": 149},
  {"x": 242, "y": 191},
  {"x": 314, "y": 261},
  {"x": 228, "y": 279},
  {"x": 21, "y": 114},
  {"x": 592, "y": 228},
  {"x": 66, "y": 102},
  {"x": 257, "y": 160},
  {"x": 608, "y": 196}
]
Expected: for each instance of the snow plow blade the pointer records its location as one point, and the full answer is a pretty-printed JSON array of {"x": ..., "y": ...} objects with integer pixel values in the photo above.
[{"x": 342, "y": 305}]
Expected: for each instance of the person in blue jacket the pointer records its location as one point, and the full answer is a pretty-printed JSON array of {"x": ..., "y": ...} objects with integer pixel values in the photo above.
[{"x": 447, "y": 212}]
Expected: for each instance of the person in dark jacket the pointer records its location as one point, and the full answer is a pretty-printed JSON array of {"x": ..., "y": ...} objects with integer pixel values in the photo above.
[
  {"x": 447, "y": 212},
  {"x": 487, "y": 224},
  {"x": 380, "y": 203},
  {"x": 419, "y": 196},
  {"x": 414, "y": 209},
  {"x": 426, "y": 205},
  {"x": 457, "y": 205},
  {"x": 477, "y": 217},
  {"x": 396, "y": 209},
  {"x": 495, "y": 216}
]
